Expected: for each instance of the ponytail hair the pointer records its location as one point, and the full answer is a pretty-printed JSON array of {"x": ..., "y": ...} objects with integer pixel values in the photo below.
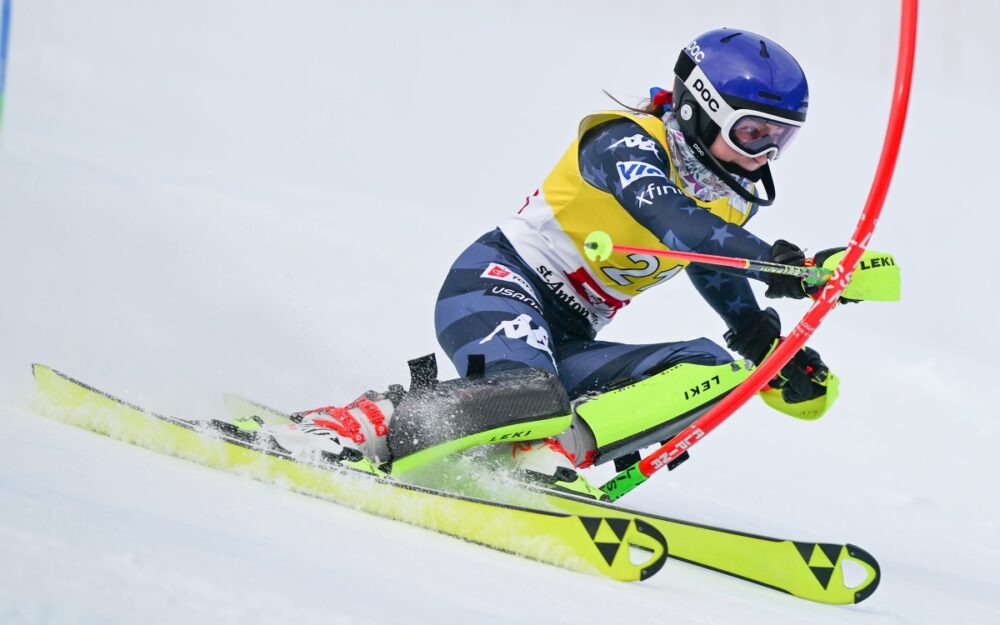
[{"x": 656, "y": 104}]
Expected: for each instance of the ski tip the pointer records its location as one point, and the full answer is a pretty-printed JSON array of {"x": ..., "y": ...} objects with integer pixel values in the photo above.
[{"x": 40, "y": 371}]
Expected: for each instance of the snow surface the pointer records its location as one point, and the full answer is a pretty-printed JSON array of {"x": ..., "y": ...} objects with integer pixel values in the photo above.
[{"x": 262, "y": 198}]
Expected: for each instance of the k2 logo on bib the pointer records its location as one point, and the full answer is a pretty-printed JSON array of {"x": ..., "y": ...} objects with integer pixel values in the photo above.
[
  {"x": 630, "y": 171},
  {"x": 520, "y": 328}
]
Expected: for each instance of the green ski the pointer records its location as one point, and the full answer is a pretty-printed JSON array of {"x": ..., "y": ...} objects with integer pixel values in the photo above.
[
  {"x": 818, "y": 571},
  {"x": 599, "y": 544}
]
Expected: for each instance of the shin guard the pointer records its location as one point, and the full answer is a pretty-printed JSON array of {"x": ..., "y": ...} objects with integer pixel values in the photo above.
[{"x": 624, "y": 420}]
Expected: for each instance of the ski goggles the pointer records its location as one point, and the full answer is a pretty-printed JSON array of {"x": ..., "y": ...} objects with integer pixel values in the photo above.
[{"x": 750, "y": 132}]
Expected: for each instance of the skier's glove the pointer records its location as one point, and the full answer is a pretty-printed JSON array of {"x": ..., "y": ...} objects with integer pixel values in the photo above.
[
  {"x": 755, "y": 340},
  {"x": 820, "y": 259},
  {"x": 779, "y": 285},
  {"x": 803, "y": 378},
  {"x": 805, "y": 388}
]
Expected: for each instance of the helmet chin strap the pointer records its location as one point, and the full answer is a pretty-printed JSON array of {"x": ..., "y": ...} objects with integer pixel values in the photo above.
[
  {"x": 726, "y": 172},
  {"x": 752, "y": 176}
]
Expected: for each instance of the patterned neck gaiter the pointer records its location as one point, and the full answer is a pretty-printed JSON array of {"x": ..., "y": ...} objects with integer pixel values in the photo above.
[{"x": 698, "y": 180}]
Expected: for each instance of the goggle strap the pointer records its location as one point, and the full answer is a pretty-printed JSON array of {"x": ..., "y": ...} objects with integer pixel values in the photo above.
[
  {"x": 684, "y": 66},
  {"x": 708, "y": 96}
]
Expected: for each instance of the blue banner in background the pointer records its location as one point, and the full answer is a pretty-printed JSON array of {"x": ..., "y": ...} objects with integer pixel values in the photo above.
[{"x": 4, "y": 37}]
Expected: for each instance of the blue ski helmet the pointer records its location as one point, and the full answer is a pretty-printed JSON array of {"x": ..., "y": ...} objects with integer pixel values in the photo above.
[{"x": 746, "y": 87}]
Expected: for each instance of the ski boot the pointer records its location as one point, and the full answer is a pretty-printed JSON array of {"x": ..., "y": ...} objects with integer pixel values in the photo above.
[
  {"x": 354, "y": 435},
  {"x": 547, "y": 463}
]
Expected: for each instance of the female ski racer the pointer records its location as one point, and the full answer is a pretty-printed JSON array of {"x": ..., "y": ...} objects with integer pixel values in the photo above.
[{"x": 521, "y": 307}]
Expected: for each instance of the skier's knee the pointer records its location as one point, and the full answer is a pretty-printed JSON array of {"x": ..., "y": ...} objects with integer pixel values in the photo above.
[
  {"x": 699, "y": 351},
  {"x": 707, "y": 352}
]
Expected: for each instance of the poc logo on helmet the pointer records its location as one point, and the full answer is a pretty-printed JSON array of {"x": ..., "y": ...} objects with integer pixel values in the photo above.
[
  {"x": 706, "y": 95},
  {"x": 695, "y": 51}
]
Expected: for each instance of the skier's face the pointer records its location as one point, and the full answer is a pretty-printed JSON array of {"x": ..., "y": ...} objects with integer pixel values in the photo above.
[{"x": 721, "y": 150}]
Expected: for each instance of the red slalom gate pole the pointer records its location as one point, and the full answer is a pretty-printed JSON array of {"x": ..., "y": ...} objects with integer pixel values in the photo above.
[{"x": 639, "y": 472}]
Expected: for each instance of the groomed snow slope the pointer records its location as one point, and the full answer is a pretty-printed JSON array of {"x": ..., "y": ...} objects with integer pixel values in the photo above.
[{"x": 262, "y": 198}]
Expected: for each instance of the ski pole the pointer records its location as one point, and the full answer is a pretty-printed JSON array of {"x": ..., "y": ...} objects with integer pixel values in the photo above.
[{"x": 599, "y": 246}]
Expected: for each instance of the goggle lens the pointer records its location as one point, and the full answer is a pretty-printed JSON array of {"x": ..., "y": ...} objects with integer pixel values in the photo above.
[{"x": 756, "y": 135}]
